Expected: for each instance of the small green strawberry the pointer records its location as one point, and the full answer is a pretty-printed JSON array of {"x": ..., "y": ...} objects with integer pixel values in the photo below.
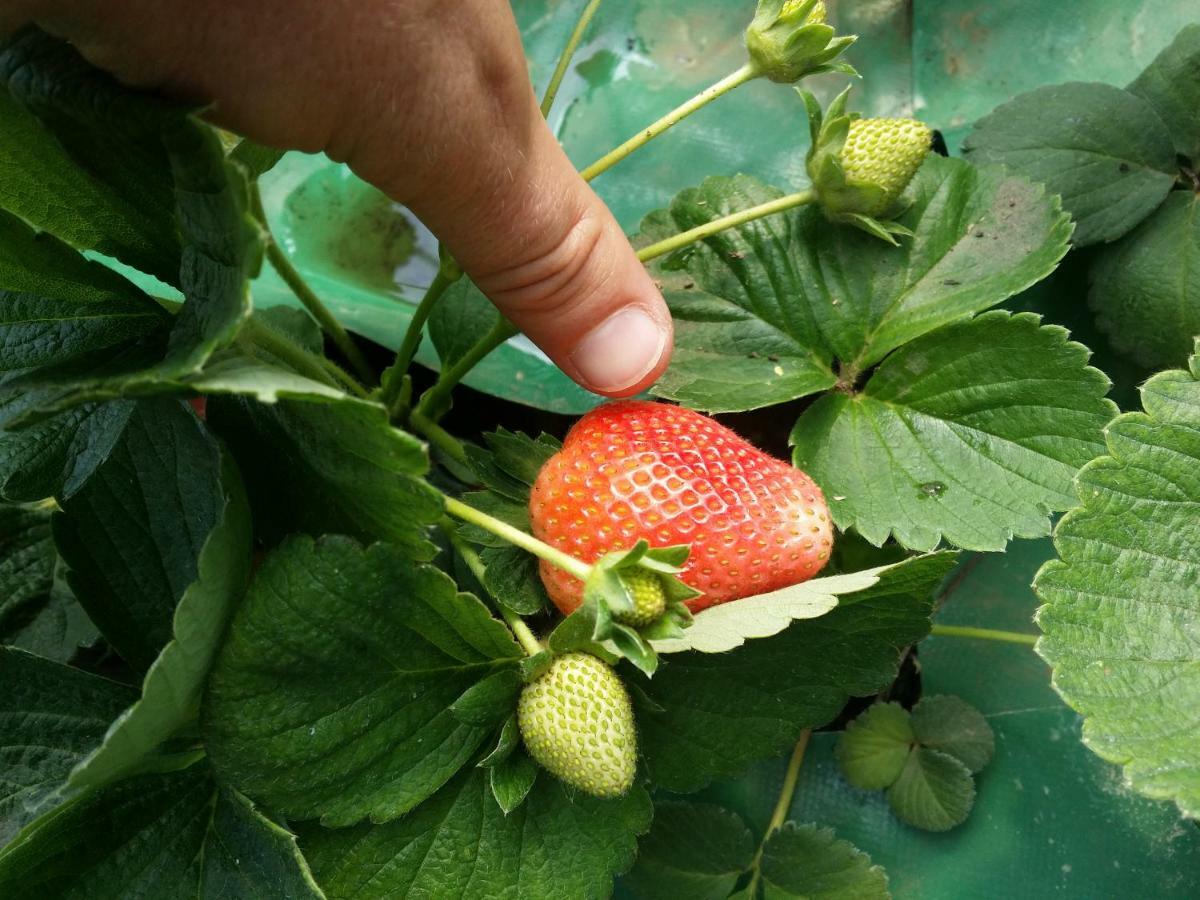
[
  {"x": 789, "y": 39},
  {"x": 577, "y": 723},
  {"x": 649, "y": 598}
]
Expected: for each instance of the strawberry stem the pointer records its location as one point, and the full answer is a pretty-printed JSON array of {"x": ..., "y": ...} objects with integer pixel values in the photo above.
[
  {"x": 447, "y": 274},
  {"x": 564, "y": 60},
  {"x": 432, "y": 402},
  {"x": 779, "y": 815},
  {"x": 700, "y": 232},
  {"x": 518, "y": 538},
  {"x": 522, "y": 632},
  {"x": 987, "y": 634},
  {"x": 739, "y": 77}
]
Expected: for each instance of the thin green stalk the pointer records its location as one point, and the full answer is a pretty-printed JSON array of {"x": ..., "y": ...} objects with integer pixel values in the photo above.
[
  {"x": 434, "y": 398},
  {"x": 564, "y": 59},
  {"x": 307, "y": 364},
  {"x": 790, "y": 778},
  {"x": 447, "y": 274},
  {"x": 439, "y": 437},
  {"x": 987, "y": 634},
  {"x": 518, "y": 538},
  {"x": 700, "y": 232},
  {"x": 523, "y": 633},
  {"x": 706, "y": 96},
  {"x": 295, "y": 281}
]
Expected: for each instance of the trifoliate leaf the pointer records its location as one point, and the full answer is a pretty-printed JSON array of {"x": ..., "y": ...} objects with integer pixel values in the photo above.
[
  {"x": 1122, "y": 603},
  {"x": 972, "y": 433},
  {"x": 51, "y": 716},
  {"x": 173, "y": 835},
  {"x": 713, "y": 713},
  {"x": 934, "y": 792},
  {"x": 805, "y": 861},
  {"x": 511, "y": 780},
  {"x": 954, "y": 727},
  {"x": 693, "y": 850},
  {"x": 1105, "y": 151},
  {"x": 332, "y": 694},
  {"x": 763, "y": 311},
  {"x": 1146, "y": 289},
  {"x": 1171, "y": 84},
  {"x": 322, "y": 465},
  {"x": 874, "y": 747},
  {"x": 173, "y": 686},
  {"x": 557, "y": 843}
]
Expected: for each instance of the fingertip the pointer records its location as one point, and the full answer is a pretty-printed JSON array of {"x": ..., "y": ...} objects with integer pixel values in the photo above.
[{"x": 623, "y": 354}]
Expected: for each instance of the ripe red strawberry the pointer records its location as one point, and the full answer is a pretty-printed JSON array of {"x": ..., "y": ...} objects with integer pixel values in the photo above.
[{"x": 636, "y": 469}]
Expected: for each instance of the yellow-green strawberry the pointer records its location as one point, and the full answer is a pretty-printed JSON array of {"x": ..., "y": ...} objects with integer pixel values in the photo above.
[
  {"x": 577, "y": 723},
  {"x": 649, "y": 598},
  {"x": 886, "y": 154},
  {"x": 789, "y": 39}
]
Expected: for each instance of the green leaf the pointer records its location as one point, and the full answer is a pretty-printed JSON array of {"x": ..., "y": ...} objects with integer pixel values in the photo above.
[
  {"x": 1146, "y": 289},
  {"x": 934, "y": 792},
  {"x": 511, "y": 780},
  {"x": 1122, "y": 603},
  {"x": 511, "y": 577},
  {"x": 971, "y": 433},
  {"x": 89, "y": 166},
  {"x": 719, "y": 711},
  {"x": 460, "y": 320},
  {"x": 805, "y": 861},
  {"x": 256, "y": 159},
  {"x": 774, "y": 303},
  {"x": 874, "y": 747},
  {"x": 332, "y": 695},
  {"x": 27, "y": 558},
  {"x": 132, "y": 536},
  {"x": 954, "y": 727},
  {"x": 556, "y": 844},
  {"x": 490, "y": 701},
  {"x": 693, "y": 850},
  {"x": 1105, "y": 151},
  {"x": 1171, "y": 84},
  {"x": 54, "y": 628},
  {"x": 330, "y": 465},
  {"x": 51, "y": 716},
  {"x": 506, "y": 743},
  {"x": 157, "y": 836},
  {"x": 173, "y": 686},
  {"x": 233, "y": 373}
]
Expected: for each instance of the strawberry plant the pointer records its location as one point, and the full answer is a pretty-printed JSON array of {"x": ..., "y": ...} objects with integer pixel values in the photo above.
[{"x": 286, "y": 615}]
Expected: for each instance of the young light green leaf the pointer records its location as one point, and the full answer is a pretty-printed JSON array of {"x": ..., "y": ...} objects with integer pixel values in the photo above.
[
  {"x": 133, "y": 535},
  {"x": 712, "y": 713},
  {"x": 332, "y": 695},
  {"x": 693, "y": 850},
  {"x": 771, "y": 304},
  {"x": 1171, "y": 84},
  {"x": 511, "y": 780},
  {"x": 1146, "y": 289},
  {"x": 952, "y": 726},
  {"x": 971, "y": 433},
  {"x": 555, "y": 844},
  {"x": 934, "y": 792},
  {"x": 173, "y": 835},
  {"x": 1105, "y": 151},
  {"x": 805, "y": 861},
  {"x": 323, "y": 465},
  {"x": 874, "y": 747},
  {"x": 1121, "y": 609},
  {"x": 173, "y": 686},
  {"x": 51, "y": 716}
]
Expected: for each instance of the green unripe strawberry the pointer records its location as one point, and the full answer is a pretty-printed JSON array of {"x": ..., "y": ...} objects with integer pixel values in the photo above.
[
  {"x": 649, "y": 598},
  {"x": 886, "y": 154},
  {"x": 577, "y": 723},
  {"x": 789, "y": 39}
]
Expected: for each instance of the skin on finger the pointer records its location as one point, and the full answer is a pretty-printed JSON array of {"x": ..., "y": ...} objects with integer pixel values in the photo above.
[{"x": 433, "y": 106}]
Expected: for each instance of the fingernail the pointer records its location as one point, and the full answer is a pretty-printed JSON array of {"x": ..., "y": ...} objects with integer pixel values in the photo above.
[{"x": 617, "y": 353}]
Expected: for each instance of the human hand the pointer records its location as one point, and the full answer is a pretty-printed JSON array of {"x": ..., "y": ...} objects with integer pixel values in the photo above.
[{"x": 431, "y": 102}]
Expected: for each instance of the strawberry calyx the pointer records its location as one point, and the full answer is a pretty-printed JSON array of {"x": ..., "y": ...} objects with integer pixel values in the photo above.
[{"x": 789, "y": 39}]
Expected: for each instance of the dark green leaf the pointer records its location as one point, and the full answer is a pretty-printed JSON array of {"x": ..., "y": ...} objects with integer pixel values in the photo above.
[
  {"x": 1105, "y": 151},
  {"x": 176, "y": 836},
  {"x": 511, "y": 781},
  {"x": 512, "y": 578},
  {"x": 934, "y": 792},
  {"x": 720, "y": 711},
  {"x": 954, "y": 727},
  {"x": 54, "y": 628},
  {"x": 804, "y": 861},
  {"x": 1146, "y": 289},
  {"x": 509, "y": 737},
  {"x": 459, "y": 843},
  {"x": 173, "y": 686},
  {"x": 255, "y": 158},
  {"x": 1122, "y": 604},
  {"x": 231, "y": 372},
  {"x": 874, "y": 747},
  {"x": 132, "y": 536},
  {"x": 330, "y": 465},
  {"x": 460, "y": 320},
  {"x": 693, "y": 850},
  {"x": 51, "y": 716},
  {"x": 972, "y": 433},
  {"x": 490, "y": 701},
  {"x": 774, "y": 303},
  {"x": 332, "y": 694},
  {"x": 27, "y": 558},
  {"x": 1171, "y": 84}
]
